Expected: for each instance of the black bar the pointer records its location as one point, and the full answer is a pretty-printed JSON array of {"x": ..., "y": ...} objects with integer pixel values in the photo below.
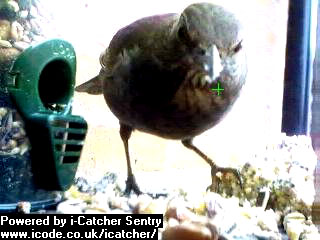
[
  {"x": 80, "y": 226},
  {"x": 297, "y": 82},
  {"x": 315, "y": 126}
]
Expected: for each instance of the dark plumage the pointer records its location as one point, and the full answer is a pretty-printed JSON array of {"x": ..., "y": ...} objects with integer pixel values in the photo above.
[{"x": 157, "y": 73}]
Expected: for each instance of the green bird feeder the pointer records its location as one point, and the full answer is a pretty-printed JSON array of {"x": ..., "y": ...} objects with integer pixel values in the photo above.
[{"x": 39, "y": 87}]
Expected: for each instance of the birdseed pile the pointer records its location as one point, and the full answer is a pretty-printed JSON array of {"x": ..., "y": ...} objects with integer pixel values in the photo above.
[
  {"x": 275, "y": 203},
  {"x": 21, "y": 25}
]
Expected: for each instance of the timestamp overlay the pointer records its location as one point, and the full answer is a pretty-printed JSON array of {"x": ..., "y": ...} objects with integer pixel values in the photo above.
[{"x": 64, "y": 226}]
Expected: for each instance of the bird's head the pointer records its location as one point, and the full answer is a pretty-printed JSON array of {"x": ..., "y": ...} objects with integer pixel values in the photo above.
[
  {"x": 215, "y": 35},
  {"x": 202, "y": 25}
]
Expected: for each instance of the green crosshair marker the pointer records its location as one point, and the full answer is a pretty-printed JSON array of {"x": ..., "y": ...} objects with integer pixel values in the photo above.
[{"x": 218, "y": 89}]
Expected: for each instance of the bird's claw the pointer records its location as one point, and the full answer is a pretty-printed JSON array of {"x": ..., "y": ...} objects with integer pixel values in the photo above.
[
  {"x": 214, "y": 186},
  {"x": 131, "y": 184},
  {"x": 216, "y": 180}
]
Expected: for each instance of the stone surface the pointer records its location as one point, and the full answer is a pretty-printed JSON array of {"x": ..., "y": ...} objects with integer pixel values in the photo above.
[{"x": 5, "y": 28}]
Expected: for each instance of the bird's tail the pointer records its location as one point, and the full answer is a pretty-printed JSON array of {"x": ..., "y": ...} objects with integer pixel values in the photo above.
[{"x": 93, "y": 86}]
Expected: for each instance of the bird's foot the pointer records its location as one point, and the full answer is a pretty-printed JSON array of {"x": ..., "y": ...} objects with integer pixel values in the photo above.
[
  {"x": 131, "y": 185},
  {"x": 214, "y": 187}
]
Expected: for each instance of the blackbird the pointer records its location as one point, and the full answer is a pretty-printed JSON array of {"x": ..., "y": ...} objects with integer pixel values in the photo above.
[{"x": 157, "y": 77}]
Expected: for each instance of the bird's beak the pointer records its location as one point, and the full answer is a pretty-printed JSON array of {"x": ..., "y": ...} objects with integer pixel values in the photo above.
[
  {"x": 212, "y": 66},
  {"x": 215, "y": 66}
]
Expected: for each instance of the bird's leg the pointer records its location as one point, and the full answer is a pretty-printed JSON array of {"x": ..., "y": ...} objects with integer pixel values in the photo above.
[
  {"x": 131, "y": 184},
  {"x": 214, "y": 168}
]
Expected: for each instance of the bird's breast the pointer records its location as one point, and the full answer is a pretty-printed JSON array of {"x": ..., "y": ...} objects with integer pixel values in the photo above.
[{"x": 168, "y": 101}]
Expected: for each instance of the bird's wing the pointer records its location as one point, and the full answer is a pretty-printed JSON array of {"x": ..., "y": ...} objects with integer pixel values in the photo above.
[
  {"x": 125, "y": 46},
  {"x": 148, "y": 34}
]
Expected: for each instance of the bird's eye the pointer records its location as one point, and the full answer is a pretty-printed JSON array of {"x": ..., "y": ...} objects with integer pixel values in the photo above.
[
  {"x": 201, "y": 51},
  {"x": 238, "y": 47}
]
